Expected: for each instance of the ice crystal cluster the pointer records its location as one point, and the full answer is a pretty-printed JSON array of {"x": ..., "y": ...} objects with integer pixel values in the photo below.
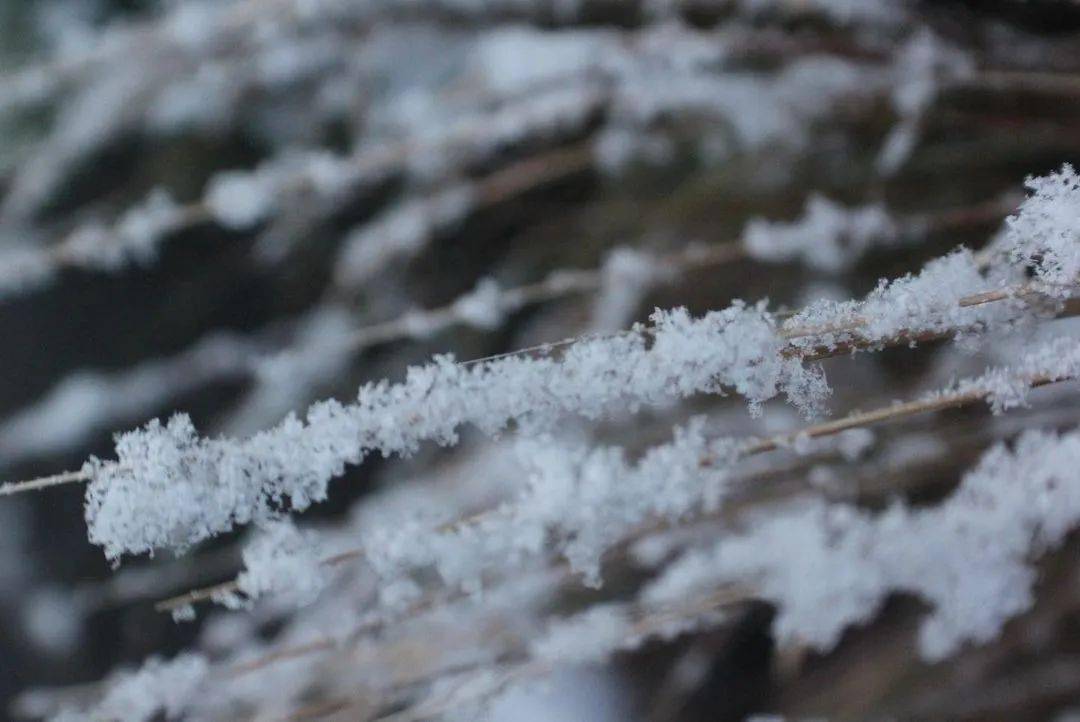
[{"x": 456, "y": 354}]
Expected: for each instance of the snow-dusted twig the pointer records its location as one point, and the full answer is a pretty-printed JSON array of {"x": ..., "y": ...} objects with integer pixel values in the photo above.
[
  {"x": 830, "y": 566},
  {"x": 1014, "y": 504},
  {"x": 1002, "y": 388},
  {"x": 171, "y": 488},
  {"x": 133, "y": 240},
  {"x": 323, "y": 341},
  {"x": 811, "y": 340}
]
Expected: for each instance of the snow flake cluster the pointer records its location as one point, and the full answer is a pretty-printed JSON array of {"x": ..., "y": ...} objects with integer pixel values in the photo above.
[
  {"x": 1045, "y": 232},
  {"x": 171, "y": 488},
  {"x": 828, "y": 567},
  {"x": 828, "y": 237}
]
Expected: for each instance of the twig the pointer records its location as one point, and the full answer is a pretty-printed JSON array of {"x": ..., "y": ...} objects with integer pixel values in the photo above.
[{"x": 44, "y": 482}]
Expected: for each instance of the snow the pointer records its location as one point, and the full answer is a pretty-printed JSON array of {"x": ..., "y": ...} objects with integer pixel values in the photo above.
[
  {"x": 285, "y": 562},
  {"x": 52, "y": 619},
  {"x": 238, "y": 200},
  {"x": 157, "y": 687},
  {"x": 921, "y": 66},
  {"x": 151, "y": 496},
  {"x": 925, "y": 303},
  {"x": 24, "y": 268},
  {"x": 135, "y": 238},
  {"x": 171, "y": 488},
  {"x": 1045, "y": 231},
  {"x": 828, "y": 237},
  {"x": 579, "y": 694},
  {"x": 88, "y": 401},
  {"x": 830, "y": 566},
  {"x": 481, "y": 308},
  {"x": 400, "y": 233},
  {"x": 588, "y": 637},
  {"x": 626, "y": 278}
]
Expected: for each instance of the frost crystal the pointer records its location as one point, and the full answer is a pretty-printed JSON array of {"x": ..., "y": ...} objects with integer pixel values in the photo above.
[
  {"x": 171, "y": 488},
  {"x": 928, "y": 302},
  {"x": 481, "y": 307},
  {"x": 587, "y": 637},
  {"x": 1045, "y": 232},
  {"x": 828, "y": 567},
  {"x": 828, "y": 237},
  {"x": 158, "y": 687},
  {"x": 283, "y": 561}
]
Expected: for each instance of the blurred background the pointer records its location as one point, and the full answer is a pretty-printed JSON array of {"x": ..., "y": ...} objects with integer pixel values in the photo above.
[{"x": 237, "y": 208}]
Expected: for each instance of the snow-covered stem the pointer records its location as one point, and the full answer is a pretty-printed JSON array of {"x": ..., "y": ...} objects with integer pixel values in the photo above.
[
  {"x": 968, "y": 393},
  {"x": 1014, "y": 505},
  {"x": 134, "y": 240},
  {"x": 736, "y": 348},
  {"x": 802, "y": 558},
  {"x": 242, "y": 201},
  {"x": 323, "y": 342},
  {"x": 843, "y": 337},
  {"x": 1002, "y": 388}
]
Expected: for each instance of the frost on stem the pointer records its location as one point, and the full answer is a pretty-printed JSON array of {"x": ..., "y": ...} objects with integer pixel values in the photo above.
[
  {"x": 134, "y": 239},
  {"x": 1008, "y": 387},
  {"x": 482, "y": 307},
  {"x": 828, "y": 567},
  {"x": 157, "y": 688},
  {"x": 283, "y": 561},
  {"x": 1045, "y": 232},
  {"x": 828, "y": 237},
  {"x": 581, "y": 501},
  {"x": 578, "y": 501},
  {"x": 928, "y": 302},
  {"x": 626, "y": 278},
  {"x": 171, "y": 488}
]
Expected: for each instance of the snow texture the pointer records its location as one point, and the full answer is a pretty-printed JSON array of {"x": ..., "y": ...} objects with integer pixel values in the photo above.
[
  {"x": 1045, "y": 231},
  {"x": 171, "y": 488},
  {"x": 828, "y": 237},
  {"x": 829, "y": 567}
]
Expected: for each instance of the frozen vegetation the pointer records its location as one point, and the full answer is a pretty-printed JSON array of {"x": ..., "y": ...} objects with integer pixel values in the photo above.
[{"x": 472, "y": 359}]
